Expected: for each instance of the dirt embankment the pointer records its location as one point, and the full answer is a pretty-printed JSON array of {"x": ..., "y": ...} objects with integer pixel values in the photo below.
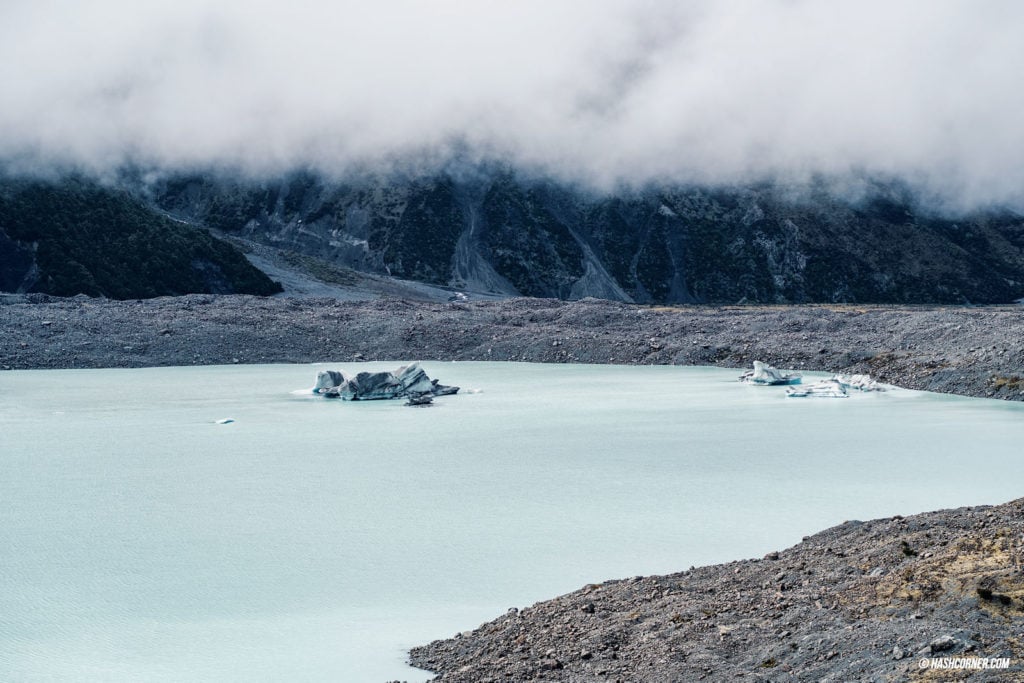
[{"x": 969, "y": 351}]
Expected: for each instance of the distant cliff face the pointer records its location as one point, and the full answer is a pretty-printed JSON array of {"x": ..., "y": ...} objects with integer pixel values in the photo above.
[
  {"x": 498, "y": 232},
  {"x": 75, "y": 237}
]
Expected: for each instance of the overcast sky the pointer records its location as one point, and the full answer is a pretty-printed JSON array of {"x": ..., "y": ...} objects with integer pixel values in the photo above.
[{"x": 600, "y": 90}]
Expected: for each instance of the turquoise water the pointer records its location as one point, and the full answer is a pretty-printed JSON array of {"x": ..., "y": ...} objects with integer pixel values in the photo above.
[{"x": 317, "y": 540}]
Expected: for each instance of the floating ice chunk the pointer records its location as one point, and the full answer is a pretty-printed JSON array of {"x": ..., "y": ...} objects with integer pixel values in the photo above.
[
  {"x": 327, "y": 379},
  {"x": 405, "y": 382},
  {"x": 828, "y": 388},
  {"x": 859, "y": 382},
  {"x": 765, "y": 374},
  {"x": 225, "y": 420}
]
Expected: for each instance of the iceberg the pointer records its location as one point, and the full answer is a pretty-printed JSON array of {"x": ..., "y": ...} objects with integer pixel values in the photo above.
[
  {"x": 408, "y": 381},
  {"x": 766, "y": 375},
  {"x": 859, "y": 382},
  {"x": 829, "y": 388}
]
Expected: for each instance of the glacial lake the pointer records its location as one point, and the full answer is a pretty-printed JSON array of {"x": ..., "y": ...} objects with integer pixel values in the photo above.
[{"x": 318, "y": 540}]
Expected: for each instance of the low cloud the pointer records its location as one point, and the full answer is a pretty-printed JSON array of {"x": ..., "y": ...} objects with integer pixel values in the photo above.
[{"x": 599, "y": 91}]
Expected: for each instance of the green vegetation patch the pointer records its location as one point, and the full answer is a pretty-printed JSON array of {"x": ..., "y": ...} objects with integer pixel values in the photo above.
[
  {"x": 92, "y": 240},
  {"x": 527, "y": 244},
  {"x": 320, "y": 269},
  {"x": 421, "y": 243}
]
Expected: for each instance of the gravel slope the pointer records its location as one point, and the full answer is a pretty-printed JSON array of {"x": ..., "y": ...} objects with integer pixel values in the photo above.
[{"x": 863, "y": 601}]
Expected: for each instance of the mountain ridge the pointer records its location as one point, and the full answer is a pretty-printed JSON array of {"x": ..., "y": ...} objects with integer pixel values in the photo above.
[
  {"x": 507, "y": 234},
  {"x": 494, "y": 231}
]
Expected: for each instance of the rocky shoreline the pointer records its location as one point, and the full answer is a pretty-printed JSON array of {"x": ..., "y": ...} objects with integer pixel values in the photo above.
[
  {"x": 969, "y": 351},
  {"x": 863, "y": 601}
]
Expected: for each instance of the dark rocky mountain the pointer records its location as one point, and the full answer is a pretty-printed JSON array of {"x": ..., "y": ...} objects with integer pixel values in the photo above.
[
  {"x": 76, "y": 237},
  {"x": 498, "y": 232}
]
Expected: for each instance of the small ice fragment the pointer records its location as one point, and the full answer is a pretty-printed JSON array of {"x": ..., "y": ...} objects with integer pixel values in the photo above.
[{"x": 225, "y": 421}]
